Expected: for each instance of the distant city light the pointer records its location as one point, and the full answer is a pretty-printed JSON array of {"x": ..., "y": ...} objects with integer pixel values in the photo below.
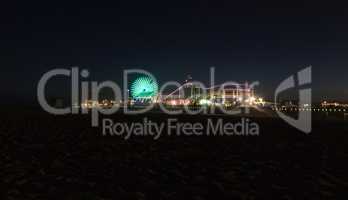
[{"x": 204, "y": 102}]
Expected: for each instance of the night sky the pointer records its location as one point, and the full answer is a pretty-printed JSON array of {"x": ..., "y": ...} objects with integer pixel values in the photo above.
[{"x": 246, "y": 41}]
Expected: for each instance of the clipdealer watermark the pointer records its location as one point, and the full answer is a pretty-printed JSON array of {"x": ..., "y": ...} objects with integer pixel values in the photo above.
[
  {"x": 172, "y": 126},
  {"x": 84, "y": 90}
]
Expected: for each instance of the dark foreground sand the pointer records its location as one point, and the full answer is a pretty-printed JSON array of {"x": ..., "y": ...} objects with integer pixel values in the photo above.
[{"x": 47, "y": 157}]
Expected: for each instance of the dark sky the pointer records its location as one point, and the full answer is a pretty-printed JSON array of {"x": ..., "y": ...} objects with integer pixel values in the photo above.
[{"x": 248, "y": 41}]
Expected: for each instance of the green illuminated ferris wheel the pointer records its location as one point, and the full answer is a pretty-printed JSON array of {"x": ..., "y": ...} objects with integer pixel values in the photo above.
[{"x": 144, "y": 87}]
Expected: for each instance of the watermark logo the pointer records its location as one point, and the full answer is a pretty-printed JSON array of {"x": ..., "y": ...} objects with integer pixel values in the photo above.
[
  {"x": 230, "y": 98},
  {"x": 304, "y": 121}
]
